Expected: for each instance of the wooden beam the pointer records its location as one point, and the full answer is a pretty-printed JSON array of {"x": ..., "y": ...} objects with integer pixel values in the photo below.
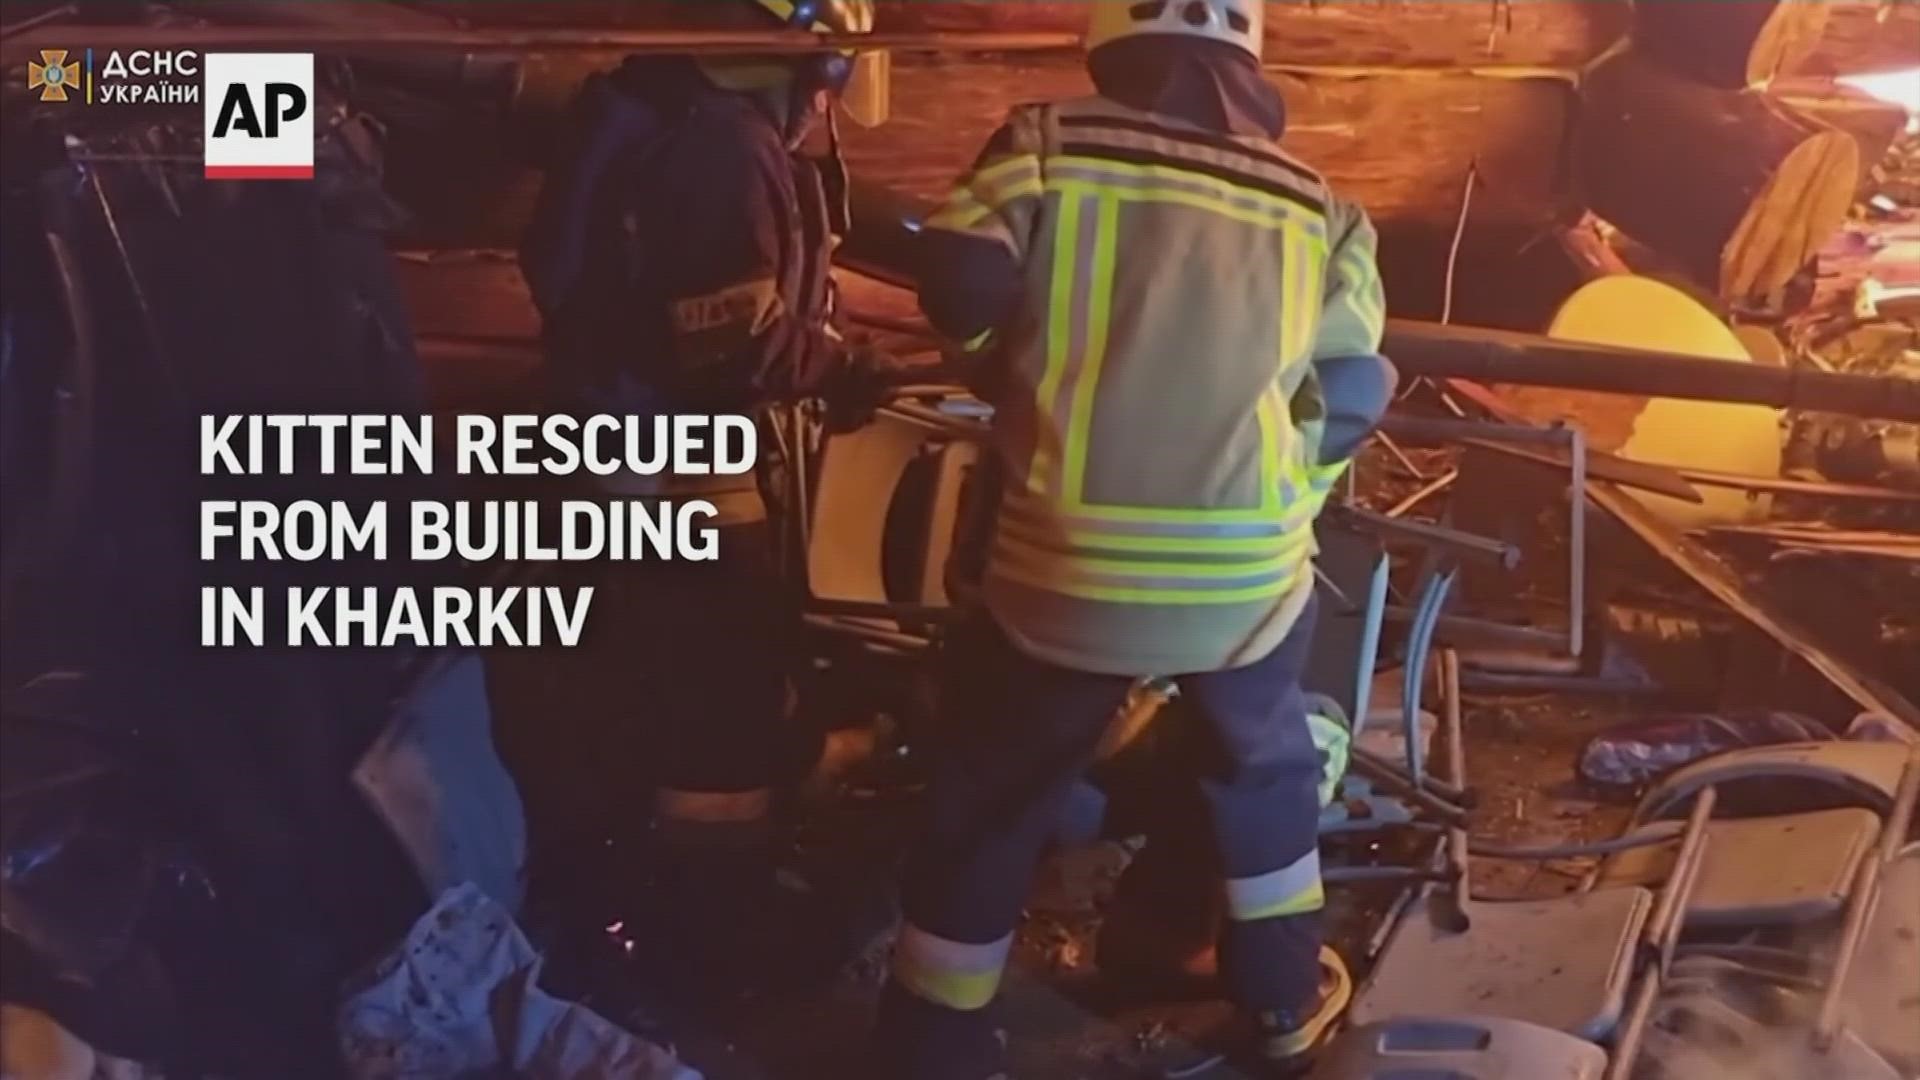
[
  {"x": 1423, "y": 33},
  {"x": 1400, "y": 145},
  {"x": 1731, "y": 44},
  {"x": 1873, "y": 123},
  {"x": 1738, "y": 190},
  {"x": 1346, "y": 32},
  {"x": 1866, "y": 35}
]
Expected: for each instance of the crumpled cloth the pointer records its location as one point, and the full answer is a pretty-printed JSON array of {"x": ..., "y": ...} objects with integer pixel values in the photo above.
[{"x": 459, "y": 995}]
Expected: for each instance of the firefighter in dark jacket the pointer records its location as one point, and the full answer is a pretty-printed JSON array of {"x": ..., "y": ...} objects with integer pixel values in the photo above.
[{"x": 680, "y": 260}]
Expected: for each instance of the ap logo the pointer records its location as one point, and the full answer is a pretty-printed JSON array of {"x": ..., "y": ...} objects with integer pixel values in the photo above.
[{"x": 259, "y": 116}]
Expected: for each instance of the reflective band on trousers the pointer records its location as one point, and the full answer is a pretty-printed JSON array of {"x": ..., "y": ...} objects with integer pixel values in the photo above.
[
  {"x": 952, "y": 974},
  {"x": 1291, "y": 890},
  {"x": 713, "y": 807}
]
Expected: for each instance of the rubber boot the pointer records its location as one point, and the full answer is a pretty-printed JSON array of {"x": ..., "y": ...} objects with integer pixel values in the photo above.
[
  {"x": 1287, "y": 1042},
  {"x": 1161, "y": 930},
  {"x": 915, "y": 1039}
]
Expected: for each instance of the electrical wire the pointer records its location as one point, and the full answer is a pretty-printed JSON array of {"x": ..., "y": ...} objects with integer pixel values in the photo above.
[{"x": 1459, "y": 235}]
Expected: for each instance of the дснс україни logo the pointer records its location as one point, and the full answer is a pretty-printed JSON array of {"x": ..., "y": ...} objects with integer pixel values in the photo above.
[
  {"x": 53, "y": 75},
  {"x": 258, "y": 107}
]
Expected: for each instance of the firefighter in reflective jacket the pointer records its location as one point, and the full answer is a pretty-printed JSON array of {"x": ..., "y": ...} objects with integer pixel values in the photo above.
[
  {"x": 1179, "y": 327},
  {"x": 679, "y": 256}
]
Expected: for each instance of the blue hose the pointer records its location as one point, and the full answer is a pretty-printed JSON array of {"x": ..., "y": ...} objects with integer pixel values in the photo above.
[{"x": 1426, "y": 618}]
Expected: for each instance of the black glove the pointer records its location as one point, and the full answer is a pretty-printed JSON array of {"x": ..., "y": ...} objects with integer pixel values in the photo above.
[{"x": 862, "y": 386}]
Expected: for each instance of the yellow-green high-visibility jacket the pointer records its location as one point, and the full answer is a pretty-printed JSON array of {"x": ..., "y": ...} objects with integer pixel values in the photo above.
[{"x": 1157, "y": 419}]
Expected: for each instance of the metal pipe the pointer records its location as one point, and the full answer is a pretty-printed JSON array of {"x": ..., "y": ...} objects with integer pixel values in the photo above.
[
  {"x": 1504, "y": 356},
  {"x": 1634, "y": 474},
  {"x": 1504, "y": 682},
  {"x": 1663, "y": 933},
  {"x": 1445, "y": 789},
  {"x": 1633, "y": 1028},
  {"x": 883, "y": 235},
  {"x": 1573, "y": 639},
  {"x": 1865, "y": 896},
  {"x": 1577, "y": 544},
  {"x": 1413, "y": 681},
  {"x": 1451, "y": 907},
  {"x": 1664, "y": 925},
  {"x": 1429, "y": 431},
  {"x": 1375, "y": 621},
  {"x": 1780, "y": 485},
  {"x": 1663, "y": 833},
  {"x": 1462, "y": 628},
  {"x": 1489, "y": 355},
  {"x": 1459, "y": 845},
  {"x": 1452, "y": 541},
  {"x": 1384, "y": 774},
  {"x": 1364, "y": 875}
]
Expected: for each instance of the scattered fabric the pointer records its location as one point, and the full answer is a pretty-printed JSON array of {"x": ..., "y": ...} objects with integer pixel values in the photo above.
[
  {"x": 460, "y": 995},
  {"x": 1635, "y": 754}
]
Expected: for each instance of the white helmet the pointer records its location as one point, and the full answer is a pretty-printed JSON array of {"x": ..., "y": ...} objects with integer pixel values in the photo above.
[{"x": 1236, "y": 22}]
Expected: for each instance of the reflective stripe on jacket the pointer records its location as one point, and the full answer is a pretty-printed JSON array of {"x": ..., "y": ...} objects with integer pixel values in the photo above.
[{"x": 1157, "y": 416}]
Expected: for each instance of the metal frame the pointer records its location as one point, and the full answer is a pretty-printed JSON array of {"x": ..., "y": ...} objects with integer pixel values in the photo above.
[
  {"x": 1860, "y": 905},
  {"x": 1657, "y": 941},
  {"x": 1390, "y": 794},
  {"x": 1572, "y": 640},
  {"x": 1661, "y": 937},
  {"x": 915, "y": 626}
]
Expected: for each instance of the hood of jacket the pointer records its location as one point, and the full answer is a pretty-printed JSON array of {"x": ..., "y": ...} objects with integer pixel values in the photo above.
[{"x": 1209, "y": 84}]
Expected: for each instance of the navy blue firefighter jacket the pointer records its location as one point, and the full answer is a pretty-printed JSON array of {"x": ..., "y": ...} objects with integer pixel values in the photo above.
[{"x": 679, "y": 252}]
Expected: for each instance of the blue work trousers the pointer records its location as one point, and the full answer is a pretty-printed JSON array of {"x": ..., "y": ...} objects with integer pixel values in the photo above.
[{"x": 1019, "y": 733}]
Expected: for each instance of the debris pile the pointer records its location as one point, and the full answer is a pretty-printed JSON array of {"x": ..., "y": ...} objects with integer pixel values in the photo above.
[
  {"x": 1865, "y": 319},
  {"x": 460, "y": 995}
]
